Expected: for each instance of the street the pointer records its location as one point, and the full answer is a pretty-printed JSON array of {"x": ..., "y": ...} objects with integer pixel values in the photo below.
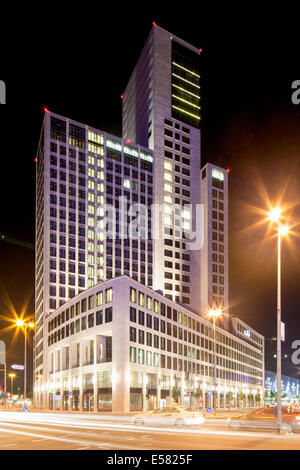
[{"x": 57, "y": 431}]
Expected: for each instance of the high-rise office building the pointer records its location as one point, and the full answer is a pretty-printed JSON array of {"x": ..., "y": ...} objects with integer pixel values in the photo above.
[
  {"x": 83, "y": 176},
  {"x": 117, "y": 342},
  {"x": 162, "y": 111}
]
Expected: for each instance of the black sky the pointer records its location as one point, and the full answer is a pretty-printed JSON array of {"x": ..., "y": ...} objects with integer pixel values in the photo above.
[{"x": 78, "y": 65}]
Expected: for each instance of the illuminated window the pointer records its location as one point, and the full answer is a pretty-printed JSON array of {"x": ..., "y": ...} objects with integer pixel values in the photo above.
[
  {"x": 168, "y": 220},
  {"x": 168, "y": 198},
  {"x": 108, "y": 295},
  {"x": 100, "y": 273},
  {"x": 91, "y": 160},
  {"x": 95, "y": 149},
  {"x": 168, "y": 187},
  {"x": 141, "y": 356},
  {"x": 91, "y": 172},
  {"x": 91, "y": 184},
  {"x": 168, "y": 176},
  {"x": 91, "y": 246},
  {"x": 95, "y": 137},
  {"x": 149, "y": 358},
  {"x": 141, "y": 299},
  {"x": 91, "y": 271},
  {"x": 168, "y": 166},
  {"x": 132, "y": 295},
  {"x": 149, "y": 303}
]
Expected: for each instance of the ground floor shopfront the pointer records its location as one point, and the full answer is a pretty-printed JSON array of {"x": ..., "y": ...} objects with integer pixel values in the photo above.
[{"x": 149, "y": 391}]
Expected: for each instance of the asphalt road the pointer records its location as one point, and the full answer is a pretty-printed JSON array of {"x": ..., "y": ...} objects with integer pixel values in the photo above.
[{"x": 55, "y": 431}]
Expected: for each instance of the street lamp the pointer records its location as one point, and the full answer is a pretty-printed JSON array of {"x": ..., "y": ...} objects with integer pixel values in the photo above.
[
  {"x": 21, "y": 323},
  {"x": 274, "y": 216},
  {"x": 215, "y": 313},
  {"x": 11, "y": 382}
]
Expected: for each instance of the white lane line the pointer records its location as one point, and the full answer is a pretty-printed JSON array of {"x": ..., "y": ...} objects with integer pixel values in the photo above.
[
  {"x": 69, "y": 441},
  {"x": 83, "y": 448},
  {"x": 37, "y": 440},
  {"x": 6, "y": 445}
]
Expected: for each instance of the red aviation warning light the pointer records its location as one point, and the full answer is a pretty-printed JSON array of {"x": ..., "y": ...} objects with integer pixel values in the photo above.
[
  {"x": 228, "y": 170},
  {"x": 46, "y": 110}
]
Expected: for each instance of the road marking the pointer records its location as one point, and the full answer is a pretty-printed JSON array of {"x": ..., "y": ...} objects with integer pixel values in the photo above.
[
  {"x": 69, "y": 441},
  {"x": 37, "y": 440},
  {"x": 6, "y": 445},
  {"x": 83, "y": 448}
]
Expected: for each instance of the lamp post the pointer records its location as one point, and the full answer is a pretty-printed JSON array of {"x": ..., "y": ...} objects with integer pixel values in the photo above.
[
  {"x": 21, "y": 323},
  {"x": 215, "y": 313},
  {"x": 274, "y": 216},
  {"x": 11, "y": 382}
]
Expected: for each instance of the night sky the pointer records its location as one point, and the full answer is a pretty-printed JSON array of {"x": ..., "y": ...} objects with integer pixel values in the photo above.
[{"x": 78, "y": 66}]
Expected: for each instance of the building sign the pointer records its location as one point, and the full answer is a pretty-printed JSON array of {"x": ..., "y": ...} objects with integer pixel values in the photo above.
[
  {"x": 217, "y": 174},
  {"x": 247, "y": 333},
  {"x": 2, "y": 352},
  {"x": 17, "y": 367}
]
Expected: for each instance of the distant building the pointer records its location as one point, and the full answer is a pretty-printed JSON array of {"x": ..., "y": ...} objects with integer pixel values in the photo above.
[{"x": 290, "y": 387}]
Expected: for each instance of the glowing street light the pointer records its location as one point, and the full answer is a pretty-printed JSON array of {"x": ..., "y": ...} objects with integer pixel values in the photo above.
[
  {"x": 215, "y": 313},
  {"x": 274, "y": 214},
  {"x": 21, "y": 323},
  {"x": 12, "y": 376},
  {"x": 282, "y": 230}
]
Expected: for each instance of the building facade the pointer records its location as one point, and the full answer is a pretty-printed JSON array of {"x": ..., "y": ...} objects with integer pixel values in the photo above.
[
  {"x": 88, "y": 186},
  {"x": 120, "y": 346},
  {"x": 162, "y": 111}
]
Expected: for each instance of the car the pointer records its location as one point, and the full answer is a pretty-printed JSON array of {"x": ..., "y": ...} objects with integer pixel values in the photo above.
[
  {"x": 266, "y": 419},
  {"x": 173, "y": 416}
]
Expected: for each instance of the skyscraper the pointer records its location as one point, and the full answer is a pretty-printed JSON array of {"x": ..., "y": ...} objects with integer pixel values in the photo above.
[
  {"x": 162, "y": 111},
  {"x": 82, "y": 173}
]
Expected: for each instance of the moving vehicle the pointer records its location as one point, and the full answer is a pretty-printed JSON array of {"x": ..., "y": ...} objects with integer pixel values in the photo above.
[
  {"x": 178, "y": 417},
  {"x": 266, "y": 419}
]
